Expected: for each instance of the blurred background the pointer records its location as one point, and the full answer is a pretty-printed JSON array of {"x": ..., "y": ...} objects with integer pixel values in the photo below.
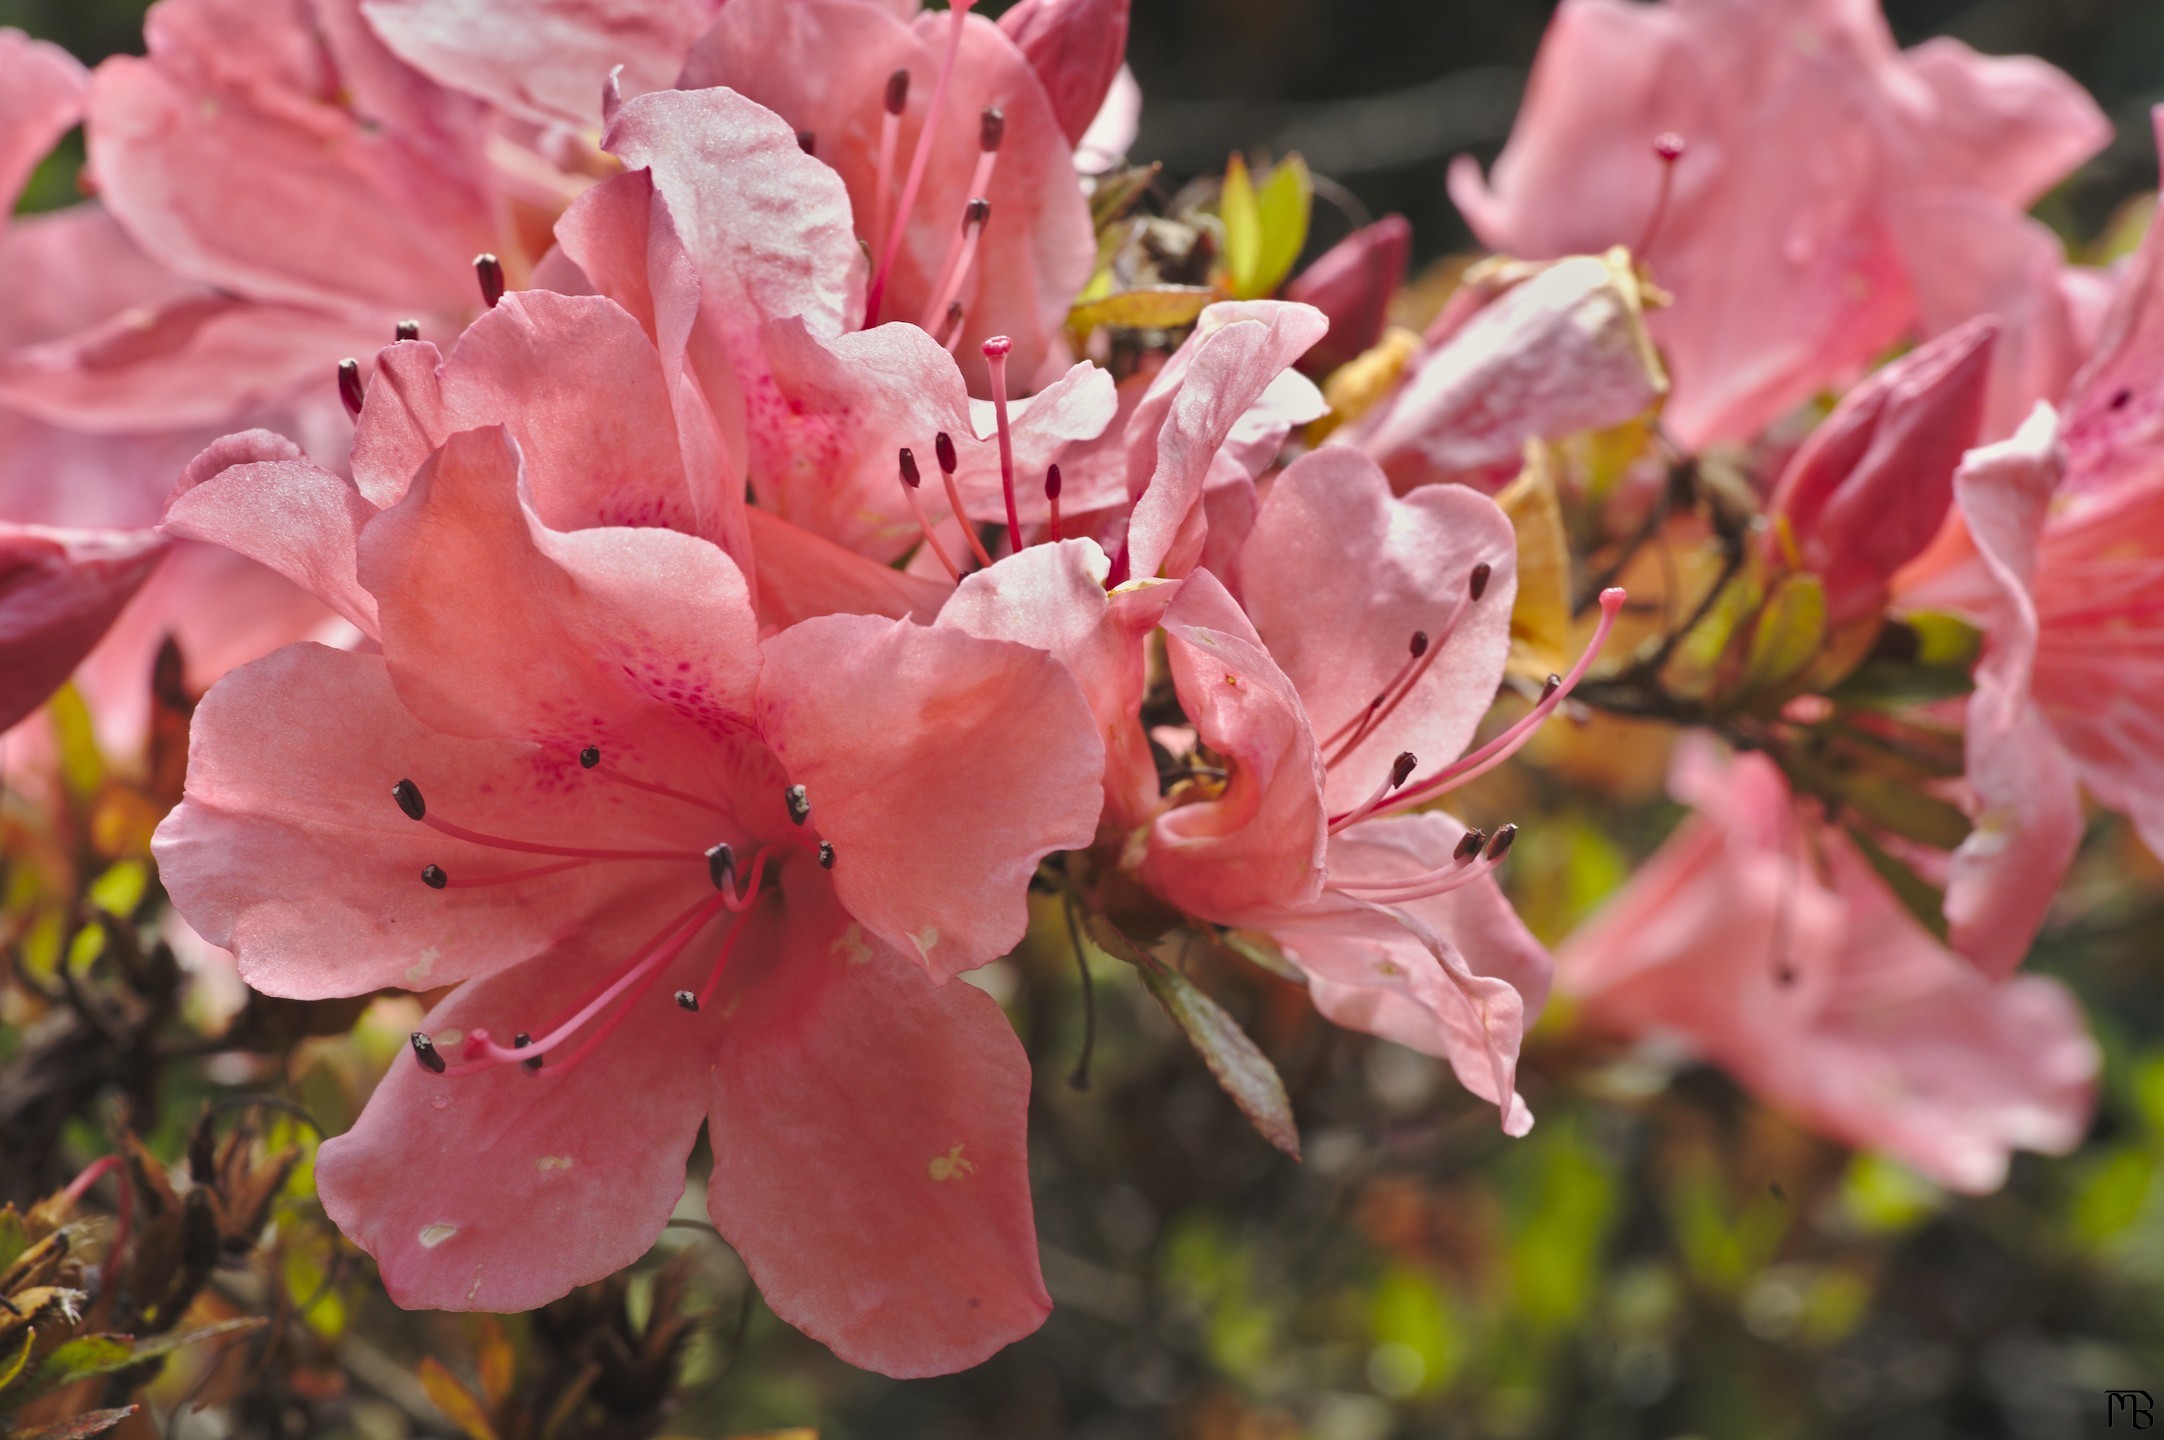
[{"x": 1661, "y": 1259}]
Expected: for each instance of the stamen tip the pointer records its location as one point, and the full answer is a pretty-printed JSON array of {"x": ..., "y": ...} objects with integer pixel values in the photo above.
[
  {"x": 408, "y": 796},
  {"x": 721, "y": 865},
  {"x": 409, "y": 330},
  {"x": 1419, "y": 646},
  {"x": 1612, "y": 598},
  {"x": 1051, "y": 482},
  {"x": 489, "y": 270},
  {"x": 1469, "y": 845},
  {"x": 910, "y": 476},
  {"x": 799, "y": 804},
  {"x": 997, "y": 347},
  {"x": 349, "y": 386},
  {"x": 1402, "y": 768},
  {"x": 1481, "y": 572},
  {"x": 991, "y": 128},
  {"x": 424, "y": 1050},
  {"x": 688, "y": 1001},
  {"x": 1669, "y": 146},
  {"x": 807, "y": 141},
  {"x": 433, "y": 877},
  {"x": 943, "y": 451},
  {"x": 897, "y": 96},
  {"x": 1500, "y": 845},
  {"x": 519, "y": 1042},
  {"x": 826, "y": 854},
  {"x": 590, "y": 757}
]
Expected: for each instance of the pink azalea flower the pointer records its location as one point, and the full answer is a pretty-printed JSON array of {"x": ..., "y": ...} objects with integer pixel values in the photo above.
[
  {"x": 1760, "y": 938},
  {"x": 1340, "y": 693},
  {"x": 59, "y": 590},
  {"x": 1871, "y": 485},
  {"x": 574, "y": 782},
  {"x": 1831, "y": 193}
]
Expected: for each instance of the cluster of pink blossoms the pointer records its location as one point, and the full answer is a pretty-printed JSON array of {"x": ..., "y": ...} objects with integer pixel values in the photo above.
[{"x": 646, "y": 687}]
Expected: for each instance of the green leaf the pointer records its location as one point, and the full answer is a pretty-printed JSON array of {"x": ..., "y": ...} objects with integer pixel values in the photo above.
[
  {"x": 1263, "y": 953},
  {"x": 11, "y": 1368},
  {"x": 1152, "y": 307},
  {"x": 1892, "y": 685},
  {"x": 80, "y": 1358},
  {"x": 1917, "y": 895},
  {"x": 1789, "y": 633},
  {"x": 1242, "y": 1070},
  {"x": 1115, "y": 194},
  {"x": 1265, "y": 227},
  {"x": 1944, "y": 641},
  {"x": 14, "y": 1237},
  {"x": 81, "y": 1427},
  {"x": 1906, "y": 811}
]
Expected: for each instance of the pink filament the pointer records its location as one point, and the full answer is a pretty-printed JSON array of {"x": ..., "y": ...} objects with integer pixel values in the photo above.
[
  {"x": 1394, "y": 693},
  {"x": 721, "y": 963},
  {"x": 611, "y": 773},
  {"x": 961, "y": 254},
  {"x": 995, "y": 356},
  {"x": 513, "y": 877},
  {"x": 530, "y": 847},
  {"x": 890, "y": 134},
  {"x": 924, "y": 523},
  {"x": 1368, "y": 806},
  {"x": 918, "y": 160},
  {"x": 1419, "y": 887},
  {"x": 969, "y": 531}
]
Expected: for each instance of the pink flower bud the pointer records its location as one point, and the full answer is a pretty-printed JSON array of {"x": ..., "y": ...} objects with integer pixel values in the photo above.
[
  {"x": 1352, "y": 283},
  {"x": 1075, "y": 46}
]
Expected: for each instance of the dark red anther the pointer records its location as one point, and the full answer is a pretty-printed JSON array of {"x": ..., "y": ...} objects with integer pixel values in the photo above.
[
  {"x": 721, "y": 866},
  {"x": 408, "y": 796},
  {"x": 1555, "y": 683},
  {"x": 1051, "y": 482},
  {"x": 433, "y": 877},
  {"x": 519, "y": 1042},
  {"x": 688, "y": 1001},
  {"x": 409, "y": 330},
  {"x": 1419, "y": 647},
  {"x": 1402, "y": 768},
  {"x": 898, "y": 92},
  {"x": 909, "y": 468},
  {"x": 349, "y": 386},
  {"x": 1480, "y": 579},
  {"x": 489, "y": 271},
  {"x": 826, "y": 854},
  {"x": 1469, "y": 845},
  {"x": 424, "y": 1050},
  {"x": 991, "y": 128},
  {"x": 590, "y": 757},
  {"x": 1500, "y": 845},
  {"x": 975, "y": 213},
  {"x": 807, "y": 142},
  {"x": 943, "y": 451}
]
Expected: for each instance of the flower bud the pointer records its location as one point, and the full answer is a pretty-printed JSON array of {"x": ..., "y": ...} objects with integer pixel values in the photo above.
[
  {"x": 1352, "y": 283},
  {"x": 1075, "y": 46}
]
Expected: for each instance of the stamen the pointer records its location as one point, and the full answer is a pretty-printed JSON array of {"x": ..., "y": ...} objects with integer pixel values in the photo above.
[
  {"x": 688, "y": 1001},
  {"x": 1500, "y": 845},
  {"x": 1419, "y": 647},
  {"x": 513, "y": 877},
  {"x": 1502, "y": 747},
  {"x": 826, "y": 854},
  {"x": 590, "y": 756},
  {"x": 522, "y": 1041},
  {"x": 799, "y": 804},
  {"x": 918, "y": 160},
  {"x": 961, "y": 254},
  {"x": 424, "y": 1050},
  {"x": 943, "y": 450},
  {"x": 721, "y": 963},
  {"x": 349, "y": 386},
  {"x": 408, "y": 796},
  {"x": 1424, "y": 886},
  {"x": 1390, "y": 699},
  {"x": 1400, "y": 768},
  {"x": 807, "y": 141},
  {"x": 1469, "y": 845},
  {"x": 910, "y": 481},
  {"x": 950, "y": 329},
  {"x": 995, "y": 355},
  {"x": 619, "y": 777},
  {"x": 896, "y": 101},
  {"x": 721, "y": 866},
  {"x": 1668, "y": 148},
  {"x": 1051, "y": 495},
  {"x": 489, "y": 271},
  {"x": 433, "y": 877},
  {"x": 409, "y": 330}
]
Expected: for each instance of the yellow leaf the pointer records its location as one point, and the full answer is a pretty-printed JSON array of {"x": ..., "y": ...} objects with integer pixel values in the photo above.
[
  {"x": 459, "y": 1405},
  {"x": 1788, "y": 635},
  {"x": 1282, "y": 206},
  {"x": 499, "y": 1362},
  {"x": 1237, "y": 207},
  {"x": 1154, "y": 307},
  {"x": 1540, "y": 628},
  {"x": 1358, "y": 385}
]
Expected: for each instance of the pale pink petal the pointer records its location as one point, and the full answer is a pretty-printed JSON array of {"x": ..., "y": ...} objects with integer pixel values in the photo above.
[
  {"x": 1112, "y": 133},
  {"x": 1339, "y": 575},
  {"x": 802, "y": 575},
  {"x": 2007, "y": 126},
  {"x": 402, "y": 420},
  {"x": 301, "y": 521},
  {"x": 942, "y": 766},
  {"x": 543, "y": 60},
  {"x": 1076, "y": 48},
  {"x": 502, "y": 1190},
  {"x": 495, "y": 625},
  {"x": 41, "y": 98},
  {"x": 2115, "y": 411},
  {"x": 59, "y": 591},
  {"x": 85, "y": 270},
  {"x": 290, "y": 851},
  {"x": 870, "y": 1167},
  {"x": 1260, "y": 844}
]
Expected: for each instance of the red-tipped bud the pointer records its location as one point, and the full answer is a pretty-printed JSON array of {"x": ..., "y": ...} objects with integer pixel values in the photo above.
[
  {"x": 489, "y": 271},
  {"x": 1075, "y": 46},
  {"x": 1401, "y": 769},
  {"x": 943, "y": 450},
  {"x": 1481, "y": 572},
  {"x": 1419, "y": 647},
  {"x": 1051, "y": 482},
  {"x": 909, "y": 468},
  {"x": 349, "y": 386},
  {"x": 1352, "y": 282},
  {"x": 991, "y": 128},
  {"x": 897, "y": 97},
  {"x": 1872, "y": 484}
]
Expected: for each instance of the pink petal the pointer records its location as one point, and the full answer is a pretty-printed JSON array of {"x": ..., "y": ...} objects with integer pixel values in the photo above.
[
  {"x": 1352, "y": 283},
  {"x": 303, "y": 522},
  {"x": 1229, "y": 362},
  {"x": 1260, "y": 844},
  {"x": 503, "y": 1190},
  {"x": 1871, "y": 486},
  {"x": 1076, "y": 47},
  {"x": 402, "y": 421},
  {"x": 78, "y": 268},
  {"x": 2008, "y": 126},
  {"x": 495, "y": 625},
  {"x": 1338, "y": 575},
  {"x": 942, "y": 767},
  {"x": 59, "y": 591},
  {"x": 2115, "y": 410},
  {"x": 868, "y": 1128},
  {"x": 289, "y": 850},
  {"x": 802, "y": 576},
  {"x": 41, "y": 98},
  {"x": 220, "y": 155},
  {"x": 543, "y": 60}
]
